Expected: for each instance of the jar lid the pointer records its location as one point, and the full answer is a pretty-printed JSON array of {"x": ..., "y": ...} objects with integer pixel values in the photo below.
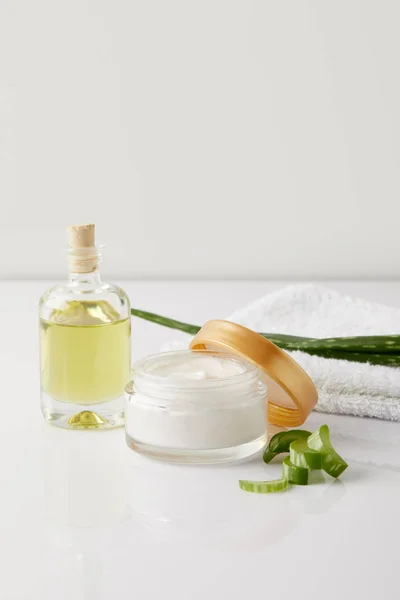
[{"x": 291, "y": 393}]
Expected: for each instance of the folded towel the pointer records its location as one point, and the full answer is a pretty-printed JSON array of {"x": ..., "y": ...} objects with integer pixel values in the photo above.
[
  {"x": 314, "y": 311},
  {"x": 310, "y": 310}
]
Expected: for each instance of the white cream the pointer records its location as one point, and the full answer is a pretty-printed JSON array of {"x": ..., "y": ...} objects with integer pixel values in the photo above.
[
  {"x": 185, "y": 404},
  {"x": 207, "y": 367}
]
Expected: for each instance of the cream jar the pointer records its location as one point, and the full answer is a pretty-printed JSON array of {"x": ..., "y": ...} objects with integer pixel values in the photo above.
[{"x": 196, "y": 406}]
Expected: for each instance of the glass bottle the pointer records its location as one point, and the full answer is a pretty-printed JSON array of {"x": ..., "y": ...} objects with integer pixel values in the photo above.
[{"x": 84, "y": 343}]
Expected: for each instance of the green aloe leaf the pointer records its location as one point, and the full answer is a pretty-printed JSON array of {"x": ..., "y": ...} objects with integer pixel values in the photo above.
[
  {"x": 376, "y": 350},
  {"x": 165, "y": 321}
]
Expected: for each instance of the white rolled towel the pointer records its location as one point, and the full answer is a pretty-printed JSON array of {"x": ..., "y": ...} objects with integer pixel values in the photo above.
[{"x": 310, "y": 310}]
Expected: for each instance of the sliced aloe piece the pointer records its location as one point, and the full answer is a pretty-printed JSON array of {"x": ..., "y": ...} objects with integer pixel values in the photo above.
[
  {"x": 332, "y": 463},
  {"x": 264, "y": 487},
  {"x": 294, "y": 474},
  {"x": 302, "y": 456},
  {"x": 281, "y": 441}
]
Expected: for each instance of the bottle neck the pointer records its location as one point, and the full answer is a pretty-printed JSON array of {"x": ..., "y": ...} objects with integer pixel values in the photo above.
[
  {"x": 87, "y": 281},
  {"x": 83, "y": 266}
]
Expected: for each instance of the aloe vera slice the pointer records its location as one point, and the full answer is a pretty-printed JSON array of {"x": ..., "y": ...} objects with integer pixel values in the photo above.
[
  {"x": 294, "y": 474},
  {"x": 264, "y": 487},
  {"x": 332, "y": 463},
  {"x": 281, "y": 441},
  {"x": 302, "y": 456}
]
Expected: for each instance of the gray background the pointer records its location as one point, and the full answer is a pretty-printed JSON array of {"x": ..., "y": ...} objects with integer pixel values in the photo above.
[{"x": 212, "y": 138}]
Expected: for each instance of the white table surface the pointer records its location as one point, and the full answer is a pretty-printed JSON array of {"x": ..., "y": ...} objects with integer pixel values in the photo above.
[{"x": 83, "y": 517}]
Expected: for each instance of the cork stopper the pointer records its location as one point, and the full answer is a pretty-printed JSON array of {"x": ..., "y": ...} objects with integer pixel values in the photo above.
[
  {"x": 83, "y": 255},
  {"x": 81, "y": 236}
]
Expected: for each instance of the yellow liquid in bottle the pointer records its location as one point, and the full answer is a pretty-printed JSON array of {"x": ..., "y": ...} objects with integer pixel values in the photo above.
[{"x": 85, "y": 353}]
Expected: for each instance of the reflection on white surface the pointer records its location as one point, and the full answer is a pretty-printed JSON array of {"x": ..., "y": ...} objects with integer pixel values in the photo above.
[
  {"x": 91, "y": 575},
  {"x": 195, "y": 504},
  {"x": 103, "y": 521},
  {"x": 75, "y": 573},
  {"x": 205, "y": 506},
  {"x": 85, "y": 484},
  {"x": 85, "y": 498}
]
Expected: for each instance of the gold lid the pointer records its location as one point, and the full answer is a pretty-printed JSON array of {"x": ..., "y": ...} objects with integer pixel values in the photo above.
[{"x": 291, "y": 393}]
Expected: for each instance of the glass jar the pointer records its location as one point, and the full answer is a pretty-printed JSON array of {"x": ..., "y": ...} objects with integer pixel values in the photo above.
[{"x": 196, "y": 407}]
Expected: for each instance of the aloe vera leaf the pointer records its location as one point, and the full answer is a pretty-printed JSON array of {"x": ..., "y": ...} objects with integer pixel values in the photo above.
[
  {"x": 287, "y": 339},
  {"x": 165, "y": 321},
  {"x": 264, "y": 487},
  {"x": 368, "y": 345},
  {"x": 332, "y": 463},
  {"x": 279, "y": 339},
  {"x": 385, "y": 359},
  {"x": 324, "y": 348},
  {"x": 376, "y": 344},
  {"x": 281, "y": 441},
  {"x": 294, "y": 474}
]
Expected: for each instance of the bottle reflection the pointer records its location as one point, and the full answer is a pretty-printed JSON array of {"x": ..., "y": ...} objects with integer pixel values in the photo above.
[
  {"x": 85, "y": 495},
  {"x": 84, "y": 477}
]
